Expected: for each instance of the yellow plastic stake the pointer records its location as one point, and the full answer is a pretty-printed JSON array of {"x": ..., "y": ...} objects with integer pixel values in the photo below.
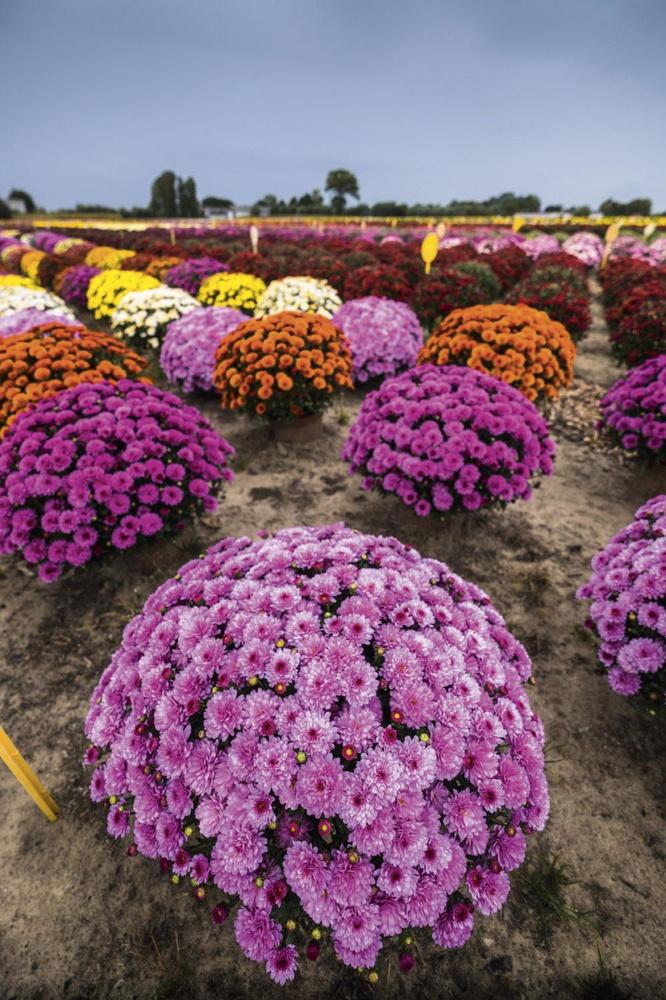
[
  {"x": 429, "y": 250},
  {"x": 612, "y": 233},
  {"x": 27, "y": 777},
  {"x": 649, "y": 229},
  {"x": 441, "y": 230},
  {"x": 518, "y": 224},
  {"x": 173, "y": 235},
  {"x": 254, "y": 238}
]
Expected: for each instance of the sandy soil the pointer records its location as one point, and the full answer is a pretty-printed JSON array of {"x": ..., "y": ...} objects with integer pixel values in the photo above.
[{"x": 78, "y": 918}]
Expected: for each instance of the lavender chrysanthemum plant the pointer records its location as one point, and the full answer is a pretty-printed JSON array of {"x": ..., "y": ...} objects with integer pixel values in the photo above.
[
  {"x": 628, "y": 610},
  {"x": 385, "y": 335},
  {"x": 28, "y": 319},
  {"x": 448, "y": 438},
  {"x": 187, "y": 356},
  {"x": 328, "y": 733},
  {"x": 100, "y": 466}
]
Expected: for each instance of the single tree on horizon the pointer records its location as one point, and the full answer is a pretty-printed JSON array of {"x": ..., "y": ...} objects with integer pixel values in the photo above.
[{"x": 342, "y": 182}]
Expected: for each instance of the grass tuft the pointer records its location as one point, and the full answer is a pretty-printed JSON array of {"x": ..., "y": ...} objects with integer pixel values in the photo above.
[{"x": 542, "y": 885}]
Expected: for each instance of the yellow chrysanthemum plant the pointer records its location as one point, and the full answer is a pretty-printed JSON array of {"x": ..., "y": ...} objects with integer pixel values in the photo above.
[
  {"x": 234, "y": 290},
  {"x": 107, "y": 258},
  {"x": 107, "y": 288}
]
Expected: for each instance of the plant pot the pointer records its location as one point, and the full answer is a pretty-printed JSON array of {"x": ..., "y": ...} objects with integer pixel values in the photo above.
[{"x": 299, "y": 431}]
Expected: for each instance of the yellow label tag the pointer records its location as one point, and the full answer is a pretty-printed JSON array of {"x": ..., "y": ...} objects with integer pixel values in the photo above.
[
  {"x": 173, "y": 235},
  {"x": 441, "y": 230},
  {"x": 26, "y": 777},
  {"x": 429, "y": 250},
  {"x": 612, "y": 232},
  {"x": 518, "y": 224},
  {"x": 649, "y": 229},
  {"x": 254, "y": 238}
]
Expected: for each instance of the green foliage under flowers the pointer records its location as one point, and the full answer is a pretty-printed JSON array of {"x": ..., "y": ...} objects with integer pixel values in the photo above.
[{"x": 485, "y": 277}]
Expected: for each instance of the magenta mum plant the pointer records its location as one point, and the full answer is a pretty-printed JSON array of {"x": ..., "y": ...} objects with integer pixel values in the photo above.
[
  {"x": 628, "y": 610},
  {"x": 187, "y": 357},
  {"x": 100, "y": 466},
  {"x": 74, "y": 284},
  {"x": 190, "y": 274},
  {"x": 635, "y": 408},
  {"x": 446, "y": 438},
  {"x": 332, "y": 734},
  {"x": 385, "y": 335}
]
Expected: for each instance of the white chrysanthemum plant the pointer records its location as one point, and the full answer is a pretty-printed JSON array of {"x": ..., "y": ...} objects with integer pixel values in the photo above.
[
  {"x": 14, "y": 298},
  {"x": 298, "y": 294},
  {"x": 142, "y": 317}
]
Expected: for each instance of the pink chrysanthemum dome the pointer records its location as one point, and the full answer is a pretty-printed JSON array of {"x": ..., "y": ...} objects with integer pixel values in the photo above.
[
  {"x": 327, "y": 732},
  {"x": 628, "y": 610}
]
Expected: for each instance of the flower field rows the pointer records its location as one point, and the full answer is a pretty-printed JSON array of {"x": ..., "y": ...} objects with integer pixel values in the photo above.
[{"x": 327, "y": 736}]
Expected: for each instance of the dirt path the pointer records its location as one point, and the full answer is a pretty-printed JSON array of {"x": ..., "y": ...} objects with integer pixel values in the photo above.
[{"x": 80, "y": 919}]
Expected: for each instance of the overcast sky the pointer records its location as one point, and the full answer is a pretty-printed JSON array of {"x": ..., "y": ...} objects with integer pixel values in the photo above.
[{"x": 423, "y": 101}]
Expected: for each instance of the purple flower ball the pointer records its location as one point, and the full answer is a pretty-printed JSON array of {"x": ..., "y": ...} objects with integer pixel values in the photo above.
[
  {"x": 385, "y": 335},
  {"x": 191, "y": 273},
  {"x": 635, "y": 408},
  {"x": 188, "y": 350},
  {"x": 74, "y": 285},
  {"x": 101, "y": 465},
  {"x": 28, "y": 319},
  {"x": 447, "y": 438},
  {"x": 324, "y": 673},
  {"x": 628, "y": 610}
]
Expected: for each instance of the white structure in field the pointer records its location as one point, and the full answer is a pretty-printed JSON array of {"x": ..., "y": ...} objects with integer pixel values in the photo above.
[{"x": 17, "y": 206}]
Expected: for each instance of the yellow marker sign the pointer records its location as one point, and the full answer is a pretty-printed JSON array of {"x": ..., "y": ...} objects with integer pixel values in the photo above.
[
  {"x": 429, "y": 250},
  {"x": 612, "y": 233},
  {"x": 254, "y": 238},
  {"x": 649, "y": 229},
  {"x": 518, "y": 224},
  {"x": 26, "y": 777},
  {"x": 441, "y": 230},
  {"x": 173, "y": 235}
]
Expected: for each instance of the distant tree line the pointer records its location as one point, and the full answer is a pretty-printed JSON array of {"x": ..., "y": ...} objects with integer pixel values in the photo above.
[{"x": 173, "y": 197}]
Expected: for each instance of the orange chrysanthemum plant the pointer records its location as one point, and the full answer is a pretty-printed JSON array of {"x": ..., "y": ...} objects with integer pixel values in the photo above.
[
  {"x": 44, "y": 361},
  {"x": 514, "y": 343},
  {"x": 158, "y": 266},
  {"x": 283, "y": 367}
]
